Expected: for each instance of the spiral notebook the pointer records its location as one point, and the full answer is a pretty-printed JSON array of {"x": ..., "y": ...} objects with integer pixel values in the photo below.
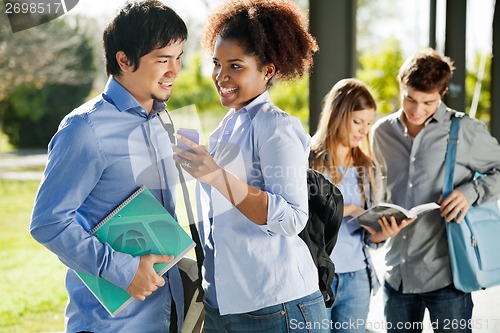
[{"x": 140, "y": 225}]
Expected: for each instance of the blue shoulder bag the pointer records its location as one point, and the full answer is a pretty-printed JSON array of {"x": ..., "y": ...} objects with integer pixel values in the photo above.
[{"x": 474, "y": 243}]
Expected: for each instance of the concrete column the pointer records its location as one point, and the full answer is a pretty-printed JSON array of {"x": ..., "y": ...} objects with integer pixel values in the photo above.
[
  {"x": 432, "y": 23},
  {"x": 495, "y": 75},
  {"x": 333, "y": 23},
  {"x": 455, "y": 49}
]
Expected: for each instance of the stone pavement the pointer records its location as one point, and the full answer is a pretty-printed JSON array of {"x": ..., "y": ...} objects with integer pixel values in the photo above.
[
  {"x": 16, "y": 165},
  {"x": 486, "y": 315}
]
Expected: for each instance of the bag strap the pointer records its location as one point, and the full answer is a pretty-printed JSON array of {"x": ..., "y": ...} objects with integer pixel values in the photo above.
[
  {"x": 451, "y": 156},
  {"x": 168, "y": 125}
]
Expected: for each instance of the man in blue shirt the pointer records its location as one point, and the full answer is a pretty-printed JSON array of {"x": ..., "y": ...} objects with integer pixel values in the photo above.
[{"x": 100, "y": 154}]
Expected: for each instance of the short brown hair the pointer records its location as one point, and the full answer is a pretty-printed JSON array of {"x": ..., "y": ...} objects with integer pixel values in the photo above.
[{"x": 427, "y": 70}]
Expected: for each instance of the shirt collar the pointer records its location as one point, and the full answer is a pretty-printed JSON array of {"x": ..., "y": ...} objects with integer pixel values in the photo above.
[
  {"x": 254, "y": 106},
  {"x": 116, "y": 94},
  {"x": 441, "y": 114}
]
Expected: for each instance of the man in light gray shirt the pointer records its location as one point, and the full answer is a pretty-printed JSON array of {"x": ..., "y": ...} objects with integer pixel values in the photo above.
[{"x": 412, "y": 144}]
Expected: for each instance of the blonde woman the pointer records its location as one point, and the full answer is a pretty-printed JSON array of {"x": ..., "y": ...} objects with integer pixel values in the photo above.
[{"x": 340, "y": 150}]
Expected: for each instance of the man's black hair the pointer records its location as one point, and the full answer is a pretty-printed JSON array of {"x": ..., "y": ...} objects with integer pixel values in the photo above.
[{"x": 139, "y": 28}]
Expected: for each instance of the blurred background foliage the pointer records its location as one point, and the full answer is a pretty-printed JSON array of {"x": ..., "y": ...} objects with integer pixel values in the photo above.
[
  {"x": 194, "y": 87},
  {"x": 46, "y": 72},
  {"x": 379, "y": 69},
  {"x": 51, "y": 69}
]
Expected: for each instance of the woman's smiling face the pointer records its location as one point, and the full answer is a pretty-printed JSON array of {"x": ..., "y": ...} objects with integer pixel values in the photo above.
[{"x": 237, "y": 75}]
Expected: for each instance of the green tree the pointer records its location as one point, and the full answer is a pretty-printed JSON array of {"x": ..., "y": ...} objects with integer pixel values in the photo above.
[
  {"x": 49, "y": 70},
  {"x": 482, "y": 74},
  {"x": 46, "y": 53},
  {"x": 379, "y": 71},
  {"x": 33, "y": 114},
  {"x": 293, "y": 98},
  {"x": 193, "y": 87}
]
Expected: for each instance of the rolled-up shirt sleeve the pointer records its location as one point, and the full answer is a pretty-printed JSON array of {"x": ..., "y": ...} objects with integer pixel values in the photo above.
[{"x": 283, "y": 149}]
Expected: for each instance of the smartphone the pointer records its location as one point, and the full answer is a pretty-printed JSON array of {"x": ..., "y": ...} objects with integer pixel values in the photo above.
[{"x": 191, "y": 134}]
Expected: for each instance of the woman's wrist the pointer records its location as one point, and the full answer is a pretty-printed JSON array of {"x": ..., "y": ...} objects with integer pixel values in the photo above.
[{"x": 216, "y": 178}]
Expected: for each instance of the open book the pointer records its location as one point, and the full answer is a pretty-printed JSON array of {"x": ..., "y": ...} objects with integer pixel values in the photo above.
[
  {"x": 370, "y": 217},
  {"x": 140, "y": 225}
]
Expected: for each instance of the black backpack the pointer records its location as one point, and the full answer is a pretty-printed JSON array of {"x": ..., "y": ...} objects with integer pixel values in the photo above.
[{"x": 326, "y": 209}]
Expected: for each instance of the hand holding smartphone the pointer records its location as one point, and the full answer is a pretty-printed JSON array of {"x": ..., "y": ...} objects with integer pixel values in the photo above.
[{"x": 191, "y": 134}]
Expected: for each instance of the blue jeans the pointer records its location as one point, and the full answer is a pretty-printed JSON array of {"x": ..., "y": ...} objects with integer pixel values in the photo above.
[
  {"x": 450, "y": 310},
  {"x": 352, "y": 302},
  {"x": 306, "y": 314}
]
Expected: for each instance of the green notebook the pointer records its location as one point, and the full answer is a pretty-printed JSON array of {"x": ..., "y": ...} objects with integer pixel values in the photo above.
[{"x": 138, "y": 226}]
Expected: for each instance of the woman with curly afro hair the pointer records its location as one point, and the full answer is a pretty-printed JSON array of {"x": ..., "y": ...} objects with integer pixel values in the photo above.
[{"x": 258, "y": 275}]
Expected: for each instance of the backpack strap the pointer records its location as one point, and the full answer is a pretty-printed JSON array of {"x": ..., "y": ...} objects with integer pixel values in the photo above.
[
  {"x": 168, "y": 125},
  {"x": 451, "y": 156}
]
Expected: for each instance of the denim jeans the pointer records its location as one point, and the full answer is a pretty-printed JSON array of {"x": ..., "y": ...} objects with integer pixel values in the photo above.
[
  {"x": 306, "y": 314},
  {"x": 352, "y": 302},
  {"x": 450, "y": 310}
]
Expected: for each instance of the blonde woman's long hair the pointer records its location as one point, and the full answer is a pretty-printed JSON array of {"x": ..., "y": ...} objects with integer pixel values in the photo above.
[{"x": 345, "y": 97}]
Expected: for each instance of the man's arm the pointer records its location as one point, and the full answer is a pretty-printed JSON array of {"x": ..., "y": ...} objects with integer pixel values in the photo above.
[
  {"x": 482, "y": 154},
  {"x": 75, "y": 165}
]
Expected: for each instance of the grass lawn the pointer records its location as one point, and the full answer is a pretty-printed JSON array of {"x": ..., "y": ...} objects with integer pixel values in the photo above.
[{"x": 32, "y": 290}]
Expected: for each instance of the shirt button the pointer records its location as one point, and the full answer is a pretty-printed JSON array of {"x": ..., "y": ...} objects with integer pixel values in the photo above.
[
  {"x": 410, "y": 185},
  {"x": 404, "y": 236},
  {"x": 226, "y": 132},
  {"x": 413, "y": 159},
  {"x": 403, "y": 261}
]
